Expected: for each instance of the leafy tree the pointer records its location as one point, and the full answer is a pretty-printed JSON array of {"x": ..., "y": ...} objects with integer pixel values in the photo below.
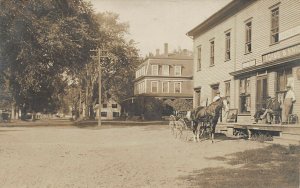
[
  {"x": 118, "y": 68},
  {"x": 41, "y": 40}
]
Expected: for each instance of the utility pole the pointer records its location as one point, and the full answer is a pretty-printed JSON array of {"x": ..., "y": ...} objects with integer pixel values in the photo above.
[{"x": 101, "y": 53}]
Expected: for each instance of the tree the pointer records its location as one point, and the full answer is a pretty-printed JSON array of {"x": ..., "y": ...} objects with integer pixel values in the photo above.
[
  {"x": 118, "y": 69},
  {"x": 41, "y": 40},
  {"x": 118, "y": 72}
]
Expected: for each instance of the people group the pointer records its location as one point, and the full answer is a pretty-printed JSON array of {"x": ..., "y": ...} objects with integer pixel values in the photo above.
[{"x": 276, "y": 109}]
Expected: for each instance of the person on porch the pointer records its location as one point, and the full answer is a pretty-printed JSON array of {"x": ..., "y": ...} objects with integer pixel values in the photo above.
[
  {"x": 264, "y": 112},
  {"x": 287, "y": 104}
]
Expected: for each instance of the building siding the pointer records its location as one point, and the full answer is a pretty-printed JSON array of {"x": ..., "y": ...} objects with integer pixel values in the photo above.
[{"x": 259, "y": 13}]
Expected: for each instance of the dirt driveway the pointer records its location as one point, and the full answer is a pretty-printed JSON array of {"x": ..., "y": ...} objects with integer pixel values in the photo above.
[{"x": 140, "y": 156}]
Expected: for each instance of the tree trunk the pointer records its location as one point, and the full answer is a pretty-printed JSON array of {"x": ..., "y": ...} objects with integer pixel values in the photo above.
[{"x": 13, "y": 111}]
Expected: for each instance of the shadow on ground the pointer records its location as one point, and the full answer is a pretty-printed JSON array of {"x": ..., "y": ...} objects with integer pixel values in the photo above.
[{"x": 272, "y": 166}]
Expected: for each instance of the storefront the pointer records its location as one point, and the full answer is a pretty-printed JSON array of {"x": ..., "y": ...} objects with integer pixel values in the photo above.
[{"x": 279, "y": 69}]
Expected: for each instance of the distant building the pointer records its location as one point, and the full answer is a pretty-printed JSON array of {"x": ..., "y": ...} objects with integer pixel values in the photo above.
[
  {"x": 248, "y": 50},
  {"x": 165, "y": 76},
  {"x": 110, "y": 109}
]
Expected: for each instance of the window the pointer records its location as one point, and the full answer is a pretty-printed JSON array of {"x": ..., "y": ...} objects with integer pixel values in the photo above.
[
  {"x": 248, "y": 47},
  {"x": 227, "y": 90},
  {"x": 104, "y": 105},
  {"x": 103, "y": 114},
  {"x": 199, "y": 59},
  {"x": 154, "y": 70},
  {"x": 214, "y": 90},
  {"x": 227, "y": 46},
  {"x": 141, "y": 87},
  {"x": 116, "y": 114},
  {"x": 154, "y": 88},
  {"x": 165, "y": 87},
  {"x": 284, "y": 78},
  {"x": 165, "y": 70},
  {"x": 245, "y": 105},
  {"x": 275, "y": 25},
  {"x": 212, "y": 53},
  {"x": 177, "y": 87},
  {"x": 177, "y": 70},
  {"x": 114, "y": 105},
  {"x": 198, "y": 97}
]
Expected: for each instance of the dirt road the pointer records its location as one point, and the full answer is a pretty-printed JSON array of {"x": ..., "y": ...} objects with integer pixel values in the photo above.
[{"x": 140, "y": 156}]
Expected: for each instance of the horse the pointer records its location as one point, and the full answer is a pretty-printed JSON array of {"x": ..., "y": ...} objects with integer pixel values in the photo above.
[{"x": 202, "y": 116}]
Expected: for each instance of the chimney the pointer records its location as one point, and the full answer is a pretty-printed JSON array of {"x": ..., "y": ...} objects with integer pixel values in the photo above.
[
  {"x": 166, "y": 49},
  {"x": 157, "y": 52}
]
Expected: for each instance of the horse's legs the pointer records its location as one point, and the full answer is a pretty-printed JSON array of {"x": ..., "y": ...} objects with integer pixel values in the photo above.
[
  {"x": 195, "y": 127},
  {"x": 198, "y": 131},
  {"x": 213, "y": 128},
  {"x": 202, "y": 128}
]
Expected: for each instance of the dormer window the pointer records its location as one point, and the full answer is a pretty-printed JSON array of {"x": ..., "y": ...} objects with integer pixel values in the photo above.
[{"x": 154, "y": 70}]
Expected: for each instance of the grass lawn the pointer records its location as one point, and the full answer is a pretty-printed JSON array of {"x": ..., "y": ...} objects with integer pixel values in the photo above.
[{"x": 273, "y": 166}]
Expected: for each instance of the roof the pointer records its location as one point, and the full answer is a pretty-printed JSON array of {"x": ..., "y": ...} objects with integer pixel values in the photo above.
[{"x": 229, "y": 10}]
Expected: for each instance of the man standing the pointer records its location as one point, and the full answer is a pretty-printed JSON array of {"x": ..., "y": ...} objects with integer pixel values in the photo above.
[
  {"x": 287, "y": 104},
  {"x": 217, "y": 97}
]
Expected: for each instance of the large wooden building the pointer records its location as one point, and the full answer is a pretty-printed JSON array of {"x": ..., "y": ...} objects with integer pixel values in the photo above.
[
  {"x": 163, "y": 76},
  {"x": 248, "y": 50}
]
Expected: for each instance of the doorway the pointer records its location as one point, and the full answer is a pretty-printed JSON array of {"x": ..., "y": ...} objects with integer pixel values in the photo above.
[{"x": 261, "y": 92}]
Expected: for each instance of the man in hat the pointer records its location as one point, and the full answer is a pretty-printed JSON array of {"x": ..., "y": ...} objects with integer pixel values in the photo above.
[
  {"x": 268, "y": 109},
  {"x": 217, "y": 97},
  {"x": 288, "y": 103}
]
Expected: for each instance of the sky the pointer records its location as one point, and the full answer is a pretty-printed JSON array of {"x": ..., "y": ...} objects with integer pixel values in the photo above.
[{"x": 155, "y": 22}]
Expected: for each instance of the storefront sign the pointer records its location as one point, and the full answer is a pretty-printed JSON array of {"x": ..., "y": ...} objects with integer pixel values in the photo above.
[
  {"x": 289, "y": 33},
  {"x": 287, "y": 52},
  {"x": 248, "y": 63}
]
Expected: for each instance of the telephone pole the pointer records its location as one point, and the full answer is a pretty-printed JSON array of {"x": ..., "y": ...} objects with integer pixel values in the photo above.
[{"x": 101, "y": 54}]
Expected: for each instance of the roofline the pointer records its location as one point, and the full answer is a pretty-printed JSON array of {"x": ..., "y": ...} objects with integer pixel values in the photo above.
[
  {"x": 225, "y": 12},
  {"x": 186, "y": 78}
]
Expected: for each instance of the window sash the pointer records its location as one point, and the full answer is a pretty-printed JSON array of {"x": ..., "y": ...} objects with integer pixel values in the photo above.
[
  {"x": 177, "y": 87},
  {"x": 177, "y": 70},
  {"x": 227, "y": 46},
  {"x": 165, "y": 70},
  {"x": 154, "y": 70},
  {"x": 212, "y": 53},
  {"x": 154, "y": 86},
  {"x": 199, "y": 59},
  {"x": 248, "y": 48},
  {"x": 275, "y": 25},
  {"x": 165, "y": 87},
  {"x": 282, "y": 79}
]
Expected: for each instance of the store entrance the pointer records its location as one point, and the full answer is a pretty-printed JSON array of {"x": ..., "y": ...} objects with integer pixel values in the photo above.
[{"x": 261, "y": 92}]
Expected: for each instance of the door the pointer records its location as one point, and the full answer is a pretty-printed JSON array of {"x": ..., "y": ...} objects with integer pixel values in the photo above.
[{"x": 261, "y": 92}]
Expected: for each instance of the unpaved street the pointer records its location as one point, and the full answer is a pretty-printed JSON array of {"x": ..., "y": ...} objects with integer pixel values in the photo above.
[{"x": 140, "y": 156}]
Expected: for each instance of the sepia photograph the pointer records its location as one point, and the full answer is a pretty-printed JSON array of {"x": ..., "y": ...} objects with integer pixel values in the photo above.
[{"x": 149, "y": 93}]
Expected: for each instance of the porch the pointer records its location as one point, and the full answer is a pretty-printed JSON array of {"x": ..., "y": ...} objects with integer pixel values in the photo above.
[{"x": 282, "y": 134}]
